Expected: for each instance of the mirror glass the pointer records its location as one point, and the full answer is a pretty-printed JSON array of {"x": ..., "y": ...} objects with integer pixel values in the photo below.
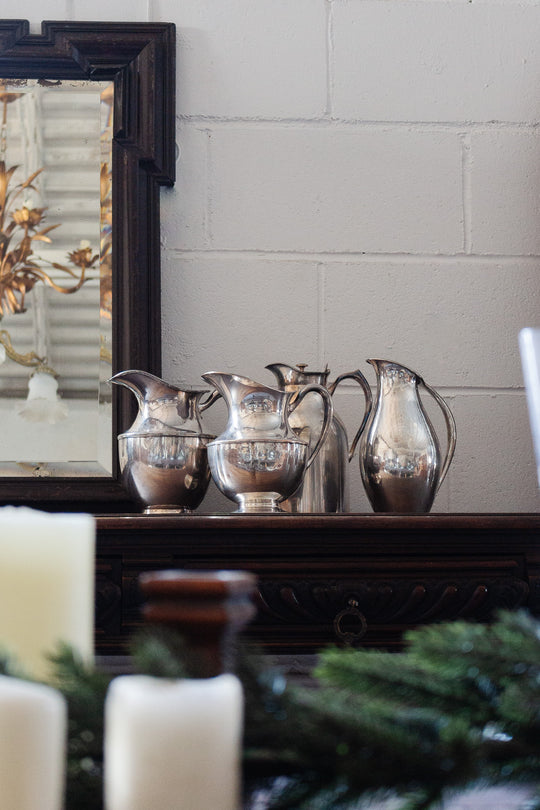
[
  {"x": 87, "y": 114},
  {"x": 56, "y": 277}
]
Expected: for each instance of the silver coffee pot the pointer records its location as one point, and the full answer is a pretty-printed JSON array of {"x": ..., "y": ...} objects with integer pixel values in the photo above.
[
  {"x": 258, "y": 460},
  {"x": 163, "y": 457},
  {"x": 324, "y": 487}
]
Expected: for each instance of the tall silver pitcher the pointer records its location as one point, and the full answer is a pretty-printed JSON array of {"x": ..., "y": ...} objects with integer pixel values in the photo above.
[
  {"x": 400, "y": 458},
  {"x": 324, "y": 486}
]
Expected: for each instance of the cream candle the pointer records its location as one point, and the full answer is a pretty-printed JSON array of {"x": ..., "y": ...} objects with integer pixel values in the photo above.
[
  {"x": 173, "y": 744},
  {"x": 33, "y": 721},
  {"x": 46, "y": 585}
]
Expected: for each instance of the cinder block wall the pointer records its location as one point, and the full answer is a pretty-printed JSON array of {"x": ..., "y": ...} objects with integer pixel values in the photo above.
[{"x": 358, "y": 178}]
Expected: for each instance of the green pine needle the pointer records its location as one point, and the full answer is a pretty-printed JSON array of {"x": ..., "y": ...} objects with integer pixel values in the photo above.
[
  {"x": 85, "y": 689},
  {"x": 460, "y": 707},
  {"x": 159, "y": 652},
  {"x": 399, "y": 679},
  {"x": 462, "y": 704}
]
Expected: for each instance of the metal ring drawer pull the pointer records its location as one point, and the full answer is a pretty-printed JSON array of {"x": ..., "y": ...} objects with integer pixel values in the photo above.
[{"x": 350, "y": 613}]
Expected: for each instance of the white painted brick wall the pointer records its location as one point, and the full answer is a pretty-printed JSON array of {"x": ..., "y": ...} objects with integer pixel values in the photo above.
[
  {"x": 246, "y": 59},
  {"x": 335, "y": 190},
  {"x": 358, "y": 178},
  {"x": 505, "y": 191},
  {"x": 435, "y": 61},
  {"x": 398, "y": 308}
]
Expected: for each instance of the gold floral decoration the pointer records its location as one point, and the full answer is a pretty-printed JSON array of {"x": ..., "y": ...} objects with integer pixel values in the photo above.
[
  {"x": 20, "y": 268},
  {"x": 20, "y": 228}
]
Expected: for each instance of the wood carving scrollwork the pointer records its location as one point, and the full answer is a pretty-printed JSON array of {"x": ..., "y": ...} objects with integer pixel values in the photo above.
[{"x": 351, "y": 607}]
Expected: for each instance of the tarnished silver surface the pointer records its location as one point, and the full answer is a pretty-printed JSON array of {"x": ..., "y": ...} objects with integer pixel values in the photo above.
[
  {"x": 163, "y": 455},
  {"x": 400, "y": 457},
  {"x": 258, "y": 461},
  {"x": 165, "y": 473},
  {"x": 324, "y": 487}
]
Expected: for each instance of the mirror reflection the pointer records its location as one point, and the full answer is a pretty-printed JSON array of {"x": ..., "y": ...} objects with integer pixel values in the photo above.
[{"x": 55, "y": 277}]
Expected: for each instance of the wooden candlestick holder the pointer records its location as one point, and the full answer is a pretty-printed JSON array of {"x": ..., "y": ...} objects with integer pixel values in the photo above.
[{"x": 208, "y": 608}]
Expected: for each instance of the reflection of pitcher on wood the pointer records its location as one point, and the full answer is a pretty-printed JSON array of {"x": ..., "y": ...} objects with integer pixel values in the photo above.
[{"x": 400, "y": 457}]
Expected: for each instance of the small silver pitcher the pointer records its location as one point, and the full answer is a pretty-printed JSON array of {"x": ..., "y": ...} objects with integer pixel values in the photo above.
[
  {"x": 400, "y": 457},
  {"x": 258, "y": 461},
  {"x": 324, "y": 486},
  {"x": 163, "y": 457}
]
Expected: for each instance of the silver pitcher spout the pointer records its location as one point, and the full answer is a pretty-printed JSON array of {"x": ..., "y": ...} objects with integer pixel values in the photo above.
[
  {"x": 162, "y": 404},
  {"x": 163, "y": 456},
  {"x": 258, "y": 460},
  {"x": 253, "y": 408},
  {"x": 324, "y": 487},
  {"x": 400, "y": 458}
]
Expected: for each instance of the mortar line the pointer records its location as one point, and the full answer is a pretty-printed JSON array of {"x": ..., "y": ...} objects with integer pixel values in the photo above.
[
  {"x": 466, "y": 179},
  {"x": 450, "y": 392},
  {"x": 324, "y": 122},
  {"x": 329, "y": 58},
  {"x": 207, "y": 224},
  {"x": 329, "y": 257},
  {"x": 321, "y": 302}
]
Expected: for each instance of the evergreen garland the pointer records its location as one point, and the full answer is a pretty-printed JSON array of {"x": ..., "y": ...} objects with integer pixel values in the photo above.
[{"x": 460, "y": 707}]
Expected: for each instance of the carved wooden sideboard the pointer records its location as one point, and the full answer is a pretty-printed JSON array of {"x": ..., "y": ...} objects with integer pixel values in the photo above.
[{"x": 358, "y": 579}]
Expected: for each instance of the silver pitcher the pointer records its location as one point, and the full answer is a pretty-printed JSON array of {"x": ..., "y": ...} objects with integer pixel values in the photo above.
[
  {"x": 400, "y": 457},
  {"x": 324, "y": 486},
  {"x": 163, "y": 457},
  {"x": 258, "y": 461}
]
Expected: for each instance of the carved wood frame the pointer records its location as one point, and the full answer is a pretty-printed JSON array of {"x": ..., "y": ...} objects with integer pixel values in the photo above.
[{"x": 140, "y": 58}]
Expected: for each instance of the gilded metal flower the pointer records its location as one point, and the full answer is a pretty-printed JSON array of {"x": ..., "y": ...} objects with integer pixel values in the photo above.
[
  {"x": 20, "y": 227},
  {"x": 28, "y": 216},
  {"x": 83, "y": 256},
  {"x": 20, "y": 268}
]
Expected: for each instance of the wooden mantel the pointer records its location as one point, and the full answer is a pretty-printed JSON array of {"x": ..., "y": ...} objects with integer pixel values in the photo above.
[{"x": 361, "y": 579}]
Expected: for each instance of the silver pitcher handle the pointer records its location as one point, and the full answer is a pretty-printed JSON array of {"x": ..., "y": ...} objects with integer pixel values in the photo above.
[
  {"x": 451, "y": 431},
  {"x": 359, "y": 377},
  {"x": 203, "y": 406},
  {"x": 327, "y": 417}
]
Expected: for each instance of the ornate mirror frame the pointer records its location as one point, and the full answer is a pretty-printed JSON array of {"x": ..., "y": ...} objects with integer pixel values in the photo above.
[{"x": 140, "y": 59}]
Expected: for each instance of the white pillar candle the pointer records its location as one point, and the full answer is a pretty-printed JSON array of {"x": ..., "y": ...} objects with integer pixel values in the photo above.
[
  {"x": 33, "y": 722},
  {"x": 46, "y": 585},
  {"x": 529, "y": 346},
  {"x": 173, "y": 745}
]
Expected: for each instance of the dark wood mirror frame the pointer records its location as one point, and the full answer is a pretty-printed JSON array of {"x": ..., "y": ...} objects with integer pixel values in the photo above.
[{"x": 140, "y": 59}]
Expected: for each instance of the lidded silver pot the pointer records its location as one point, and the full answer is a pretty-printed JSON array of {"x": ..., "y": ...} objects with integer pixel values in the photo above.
[{"x": 324, "y": 485}]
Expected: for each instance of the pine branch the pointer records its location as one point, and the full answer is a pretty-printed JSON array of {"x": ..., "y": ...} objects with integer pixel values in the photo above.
[
  {"x": 6, "y": 667},
  {"x": 502, "y": 651},
  {"x": 9, "y": 666},
  {"x": 84, "y": 689},
  {"x": 462, "y": 704},
  {"x": 401, "y": 679},
  {"x": 159, "y": 652}
]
